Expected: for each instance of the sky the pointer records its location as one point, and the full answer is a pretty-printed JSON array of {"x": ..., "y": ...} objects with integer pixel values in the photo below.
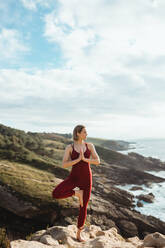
[{"x": 99, "y": 63}]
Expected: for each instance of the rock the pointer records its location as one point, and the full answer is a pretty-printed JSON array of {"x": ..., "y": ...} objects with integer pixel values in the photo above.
[
  {"x": 108, "y": 207},
  {"x": 94, "y": 236},
  {"x": 136, "y": 188},
  {"x": 155, "y": 240},
  {"x": 148, "y": 184},
  {"x": 135, "y": 241},
  {"x": 17, "y": 206},
  {"x": 37, "y": 235},
  {"x": 128, "y": 227},
  {"x": 117, "y": 196},
  {"x": 31, "y": 244},
  {"x": 147, "y": 198},
  {"x": 48, "y": 240},
  {"x": 65, "y": 237},
  {"x": 139, "y": 204},
  {"x": 118, "y": 215}
]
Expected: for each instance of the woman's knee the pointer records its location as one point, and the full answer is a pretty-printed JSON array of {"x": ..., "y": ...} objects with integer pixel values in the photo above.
[{"x": 55, "y": 193}]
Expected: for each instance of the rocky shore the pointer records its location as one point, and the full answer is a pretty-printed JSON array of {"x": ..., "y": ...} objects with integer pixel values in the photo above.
[{"x": 109, "y": 207}]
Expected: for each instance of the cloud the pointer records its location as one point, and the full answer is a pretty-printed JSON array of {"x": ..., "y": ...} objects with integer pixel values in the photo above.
[
  {"x": 33, "y": 4},
  {"x": 11, "y": 44},
  {"x": 108, "y": 40},
  {"x": 45, "y": 99},
  {"x": 112, "y": 78},
  {"x": 102, "y": 34}
]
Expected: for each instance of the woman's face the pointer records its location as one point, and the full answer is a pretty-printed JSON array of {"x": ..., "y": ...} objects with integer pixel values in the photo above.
[{"x": 83, "y": 134}]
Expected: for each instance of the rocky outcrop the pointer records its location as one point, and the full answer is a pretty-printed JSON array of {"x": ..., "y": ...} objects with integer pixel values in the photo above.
[
  {"x": 112, "y": 207},
  {"x": 60, "y": 237},
  {"x": 116, "y": 174},
  {"x": 119, "y": 212},
  {"x": 136, "y": 188},
  {"x": 154, "y": 240},
  {"x": 17, "y": 206},
  {"x": 146, "y": 197},
  {"x": 139, "y": 204},
  {"x": 108, "y": 207},
  {"x": 94, "y": 236},
  {"x": 132, "y": 160}
]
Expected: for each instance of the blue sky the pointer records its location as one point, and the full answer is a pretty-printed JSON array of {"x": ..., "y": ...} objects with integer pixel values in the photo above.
[{"x": 98, "y": 63}]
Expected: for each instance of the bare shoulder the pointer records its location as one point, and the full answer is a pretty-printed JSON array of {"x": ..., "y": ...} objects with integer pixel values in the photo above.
[
  {"x": 90, "y": 146},
  {"x": 68, "y": 147}
]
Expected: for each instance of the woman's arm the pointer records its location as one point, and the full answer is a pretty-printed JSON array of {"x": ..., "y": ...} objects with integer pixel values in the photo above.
[
  {"x": 95, "y": 157},
  {"x": 66, "y": 162}
]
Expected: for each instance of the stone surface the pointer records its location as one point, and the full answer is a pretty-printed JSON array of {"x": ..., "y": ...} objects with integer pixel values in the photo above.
[
  {"x": 155, "y": 239},
  {"x": 139, "y": 204},
  {"x": 17, "y": 206},
  {"x": 60, "y": 237},
  {"x": 146, "y": 197},
  {"x": 32, "y": 244},
  {"x": 94, "y": 236},
  {"x": 136, "y": 188}
]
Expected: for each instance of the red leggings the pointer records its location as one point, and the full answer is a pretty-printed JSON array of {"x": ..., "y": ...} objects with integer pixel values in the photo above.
[{"x": 65, "y": 189}]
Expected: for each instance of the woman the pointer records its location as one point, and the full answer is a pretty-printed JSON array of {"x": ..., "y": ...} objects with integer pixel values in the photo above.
[{"x": 78, "y": 155}]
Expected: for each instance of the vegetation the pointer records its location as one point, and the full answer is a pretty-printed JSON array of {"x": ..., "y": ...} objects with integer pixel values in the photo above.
[
  {"x": 31, "y": 162},
  {"x": 16, "y": 145},
  {"x": 30, "y": 166},
  {"x": 115, "y": 145},
  {"x": 4, "y": 241}
]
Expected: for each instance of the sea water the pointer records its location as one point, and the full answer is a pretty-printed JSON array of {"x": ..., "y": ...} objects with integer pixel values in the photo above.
[{"x": 150, "y": 148}]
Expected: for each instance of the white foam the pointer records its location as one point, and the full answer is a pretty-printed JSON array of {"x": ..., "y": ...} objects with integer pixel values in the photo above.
[{"x": 157, "y": 208}]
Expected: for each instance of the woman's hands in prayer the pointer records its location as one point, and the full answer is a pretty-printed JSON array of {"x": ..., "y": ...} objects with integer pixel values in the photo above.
[{"x": 82, "y": 155}]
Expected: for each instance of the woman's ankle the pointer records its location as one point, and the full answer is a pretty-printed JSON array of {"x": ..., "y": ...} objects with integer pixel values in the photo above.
[{"x": 80, "y": 228}]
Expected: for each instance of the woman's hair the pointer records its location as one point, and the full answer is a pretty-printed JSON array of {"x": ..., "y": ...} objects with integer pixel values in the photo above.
[{"x": 78, "y": 129}]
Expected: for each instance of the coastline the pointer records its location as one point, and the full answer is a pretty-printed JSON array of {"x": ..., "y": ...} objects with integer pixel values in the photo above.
[
  {"x": 156, "y": 208},
  {"x": 147, "y": 147}
]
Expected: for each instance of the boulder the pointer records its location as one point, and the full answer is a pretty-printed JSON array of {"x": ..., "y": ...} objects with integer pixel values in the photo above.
[
  {"x": 155, "y": 240},
  {"x": 60, "y": 237},
  {"x": 139, "y": 204},
  {"x": 136, "y": 188},
  {"x": 18, "y": 206},
  {"x": 147, "y": 198}
]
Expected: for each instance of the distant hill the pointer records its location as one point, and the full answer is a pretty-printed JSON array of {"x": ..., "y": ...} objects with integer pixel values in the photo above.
[
  {"x": 42, "y": 149},
  {"x": 115, "y": 145}
]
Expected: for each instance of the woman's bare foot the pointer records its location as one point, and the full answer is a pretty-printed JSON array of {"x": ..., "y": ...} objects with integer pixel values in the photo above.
[
  {"x": 80, "y": 239},
  {"x": 79, "y": 194},
  {"x": 78, "y": 236}
]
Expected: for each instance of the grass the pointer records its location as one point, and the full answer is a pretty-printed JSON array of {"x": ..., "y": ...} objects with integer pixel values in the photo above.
[
  {"x": 96, "y": 141},
  {"x": 31, "y": 183},
  {"x": 27, "y": 181},
  {"x": 54, "y": 143}
]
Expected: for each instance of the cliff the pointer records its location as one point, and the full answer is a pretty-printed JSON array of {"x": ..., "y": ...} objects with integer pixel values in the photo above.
[{"x": 33, "y": 168}]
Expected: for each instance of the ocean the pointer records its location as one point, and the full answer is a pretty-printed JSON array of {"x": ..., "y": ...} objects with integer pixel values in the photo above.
[{"x": 150, "y": 148}]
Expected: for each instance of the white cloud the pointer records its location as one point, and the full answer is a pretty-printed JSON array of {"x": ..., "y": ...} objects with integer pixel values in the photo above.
[
  {"x": 11, "y": 44},
  {"x": 32, "y": 4},
  {"x": 113, "y": 78},
  {"x": 101, "y": 34},
  {"x": 121, "y": 43},
  {"x": 53, "y": 99}
]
